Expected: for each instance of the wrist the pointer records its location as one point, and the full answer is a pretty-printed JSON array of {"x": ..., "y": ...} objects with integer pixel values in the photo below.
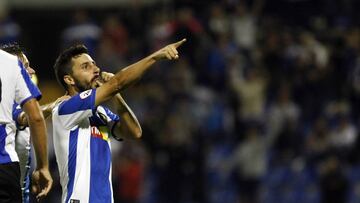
[
  {"x": 42, "y": 163},
  {"x": 42, "y": 166},
  {"x": 154, "y": 57}
]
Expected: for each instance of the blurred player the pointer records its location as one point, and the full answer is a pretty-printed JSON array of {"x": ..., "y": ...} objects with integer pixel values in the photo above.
[
  {"x": 82, "y": 126},
  {"x": 22, "y": 138},
  {"x": 15, "y": 85}
]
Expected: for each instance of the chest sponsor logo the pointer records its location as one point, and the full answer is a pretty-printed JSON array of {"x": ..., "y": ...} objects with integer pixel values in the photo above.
[{"x": 101, "y": 132}]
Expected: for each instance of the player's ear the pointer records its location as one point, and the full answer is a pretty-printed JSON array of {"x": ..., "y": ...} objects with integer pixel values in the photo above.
[{"x": 69, "y": 80}]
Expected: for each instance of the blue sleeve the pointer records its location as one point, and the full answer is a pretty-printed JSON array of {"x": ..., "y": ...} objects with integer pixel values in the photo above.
[
  {"x": 111, "y": 119},
  {"x": 79, "y": 107},
  {"x": 111, "y": 116},
  {"x": 33, "y": 89},
  {"x": 80, "y": 102},
  {"x": 16, "y": 110}
]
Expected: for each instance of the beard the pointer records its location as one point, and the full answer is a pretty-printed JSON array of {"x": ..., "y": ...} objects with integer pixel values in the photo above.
[{"x": 80, "y": 86}]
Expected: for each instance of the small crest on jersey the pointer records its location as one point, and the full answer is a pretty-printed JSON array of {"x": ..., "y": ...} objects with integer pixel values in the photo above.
[
  {"x": 85, "y": 94},
  {"x": 74, "y": 201}
]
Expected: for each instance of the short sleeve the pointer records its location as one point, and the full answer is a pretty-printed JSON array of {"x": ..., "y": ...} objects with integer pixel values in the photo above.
[
  {"x": 108, "y": 114},
  {"x": 81, "y": 106}
]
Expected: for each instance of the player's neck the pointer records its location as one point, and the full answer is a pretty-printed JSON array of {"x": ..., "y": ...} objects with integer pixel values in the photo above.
[{"x": 72, "y": 92}]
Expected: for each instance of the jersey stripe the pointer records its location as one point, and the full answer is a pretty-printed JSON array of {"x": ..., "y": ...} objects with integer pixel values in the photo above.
[
  {"x": 111, "y": 115},
  {"x": 100, "y": 188},
  {"x": 72, "y": 161},
  {"x": 35, "y": 92},
  {"x": 77, "y": 103},
  {"x": 4, "y": 155}
]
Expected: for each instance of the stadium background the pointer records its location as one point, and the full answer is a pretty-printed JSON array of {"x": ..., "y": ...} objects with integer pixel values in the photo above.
[{"x": 263, "y": 105}]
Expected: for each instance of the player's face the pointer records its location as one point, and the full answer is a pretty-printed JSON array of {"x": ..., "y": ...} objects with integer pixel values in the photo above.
[
  {"x": 26, "y": 64},
  {"x": 85, "y": 72}
]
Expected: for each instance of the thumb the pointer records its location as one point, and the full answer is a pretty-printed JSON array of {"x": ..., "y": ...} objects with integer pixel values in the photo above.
[{"x": 34, "y": 188}]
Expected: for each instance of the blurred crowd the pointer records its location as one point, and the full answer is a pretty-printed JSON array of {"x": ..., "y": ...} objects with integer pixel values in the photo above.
[{"x": 262, "y": 106}]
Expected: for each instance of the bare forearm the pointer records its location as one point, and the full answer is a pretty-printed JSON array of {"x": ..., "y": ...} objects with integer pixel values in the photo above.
[
  {"x": 123, "y": 79},
  {"x": 130, "y": 126},
  {"x": 37, "y": 131},
  {"x": 132, "y": 73},
  {"x": 135, "y": 71},
  {"x": 39, "y": 141}
]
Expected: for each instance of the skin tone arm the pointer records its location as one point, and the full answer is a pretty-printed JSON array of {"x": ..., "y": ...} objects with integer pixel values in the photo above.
[
  {"x": 128, "y": 75},
  {"x": 41, "y": 178},
  {"x": 46, "y": 110},
  {"x": 129, "y": 127}
]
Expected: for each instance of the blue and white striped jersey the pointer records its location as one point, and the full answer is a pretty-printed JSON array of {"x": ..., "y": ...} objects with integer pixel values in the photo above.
[
  {"x": 82, "y": 148},
  {"x": 15, "y": 85}
]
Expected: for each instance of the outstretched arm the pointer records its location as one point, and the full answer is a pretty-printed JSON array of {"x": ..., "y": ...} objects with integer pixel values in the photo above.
[{"x": 128, "y": 75}]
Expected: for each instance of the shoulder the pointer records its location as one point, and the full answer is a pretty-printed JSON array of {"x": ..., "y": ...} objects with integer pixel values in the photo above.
[
  {"x": 8, "y": 59},
  {"x": 6, "y": 56}
]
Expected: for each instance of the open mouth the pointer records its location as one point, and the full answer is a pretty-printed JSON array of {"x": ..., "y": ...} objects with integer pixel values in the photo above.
[
  {"x": 96, "y": 78},
  {"x": 95, "y": 81}
]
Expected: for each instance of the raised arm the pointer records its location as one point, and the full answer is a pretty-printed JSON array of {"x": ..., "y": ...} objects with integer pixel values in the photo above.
[
  {"x": 129, "y": 127},
  {"x": 132, "y": 73}
]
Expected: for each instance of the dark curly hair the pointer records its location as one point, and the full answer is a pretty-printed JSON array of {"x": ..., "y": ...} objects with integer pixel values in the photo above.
[
  {"x": 12, "y": 48},
  {"x": 63, "y": 64}
]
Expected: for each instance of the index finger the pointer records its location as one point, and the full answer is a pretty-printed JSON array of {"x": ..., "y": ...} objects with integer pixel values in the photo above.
[
  {"x": 41, "y": 195},
  {"x": 44, "y": 192},
  {"x": 34, "y": 189},
  {"x": 177, "y": 44}
]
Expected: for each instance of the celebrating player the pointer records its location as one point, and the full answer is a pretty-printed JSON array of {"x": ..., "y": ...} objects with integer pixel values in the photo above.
[{"x": 82, "y": 126}]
